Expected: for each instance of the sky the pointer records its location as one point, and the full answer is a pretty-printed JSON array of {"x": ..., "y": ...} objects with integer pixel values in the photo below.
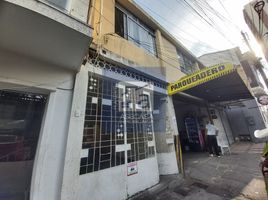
[{"x": 218, "y": 27}]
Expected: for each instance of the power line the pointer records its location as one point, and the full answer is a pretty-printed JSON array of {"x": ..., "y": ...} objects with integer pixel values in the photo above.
[
  {"x": 175, "y": 12},
  {"x": 174, "y": 25},
  {"x": 140, "y": 42},
  {"x": 108, "y": 20},
  {"x": 210, "y": 23},
  {"x": 218, "y": 14},
  {"x": 226, "y": 22}
]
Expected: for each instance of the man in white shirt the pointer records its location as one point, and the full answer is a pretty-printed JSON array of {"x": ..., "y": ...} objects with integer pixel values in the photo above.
[{"x": 211, "y": 133}]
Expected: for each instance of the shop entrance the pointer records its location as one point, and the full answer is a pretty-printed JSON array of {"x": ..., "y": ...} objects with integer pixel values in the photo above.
[
  {"x": 20, "y": 122},
  {"x": 203, "y": 101},
  {"x": 191, "y": 121}
]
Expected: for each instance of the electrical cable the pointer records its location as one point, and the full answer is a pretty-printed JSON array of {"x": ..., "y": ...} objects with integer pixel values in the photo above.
[
  {"x": 174, "y": 25},
  {"x": 108, "y": 20},
  {"x": 211, "y": 24}
]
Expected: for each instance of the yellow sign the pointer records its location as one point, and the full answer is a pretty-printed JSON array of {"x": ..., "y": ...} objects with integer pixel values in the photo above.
[{"x": 199, "y": 77}]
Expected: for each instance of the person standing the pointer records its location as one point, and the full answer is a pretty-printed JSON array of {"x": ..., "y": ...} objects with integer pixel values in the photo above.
[{"x": 211, "y": 133}]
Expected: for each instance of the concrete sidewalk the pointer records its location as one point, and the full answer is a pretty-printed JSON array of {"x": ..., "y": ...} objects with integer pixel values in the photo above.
[{"x": 236, "y": 176}]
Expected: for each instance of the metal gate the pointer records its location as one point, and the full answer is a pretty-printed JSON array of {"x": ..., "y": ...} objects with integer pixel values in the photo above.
[{"x": 118, "y": 126}]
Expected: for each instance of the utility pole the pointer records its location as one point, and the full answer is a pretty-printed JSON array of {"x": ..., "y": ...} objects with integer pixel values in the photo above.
[{"x": 257, "y": 63}]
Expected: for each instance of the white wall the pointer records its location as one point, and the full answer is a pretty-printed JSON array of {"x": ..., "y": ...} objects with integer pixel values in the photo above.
[
  {"x": 239, "y": 119},
  {"x": 71, "y": 180},
  {"x": 220, "y": 57},
  {"x": 146, "y": 177},
  {"x": 227, "y": 125},
  {"x": 165, "y": 126},
  {"x": 105, "y": 184},
  {"x": 167, "y": 163},
  {"x": 21, "y": 73},
  {"x": 222, "y": 138},
  {"x": 49, "y": 162},
  {"x": 113, "y": 183},
  {"x": 79, "y": 9}
]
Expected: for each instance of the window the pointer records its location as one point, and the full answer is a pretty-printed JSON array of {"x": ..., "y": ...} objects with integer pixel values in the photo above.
[
  {"x": 131, "y": 28},
  {"x": 187, "y": 65},
  {"x": 109, "y": 126},
  {"x": 120, "y": 19},
  {"x": 21, "y": 116}
]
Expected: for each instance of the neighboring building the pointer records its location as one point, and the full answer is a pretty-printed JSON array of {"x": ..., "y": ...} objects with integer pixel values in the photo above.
[
  {"x": 245, "y": 116},
  {"x": 258, "y": 23},
  {"x": 42, "y": 47},
  {"x": 127, "y": 138}
]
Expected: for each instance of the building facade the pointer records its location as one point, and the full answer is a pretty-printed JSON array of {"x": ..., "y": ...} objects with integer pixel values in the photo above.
[
  {"x": 84, "y": 97},
  {"x": 256, "y": 17},
  {"x": 42, "y": 45},
  {"x": 123, "y": 137},
  {"x": 246, "y": 113}
]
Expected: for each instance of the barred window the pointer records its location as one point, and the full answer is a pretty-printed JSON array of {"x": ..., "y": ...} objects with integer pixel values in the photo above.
[{"x": 116, "y": 117}]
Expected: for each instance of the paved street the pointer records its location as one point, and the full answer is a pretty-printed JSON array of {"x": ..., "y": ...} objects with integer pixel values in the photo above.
[{"x": 236, "y": 176}]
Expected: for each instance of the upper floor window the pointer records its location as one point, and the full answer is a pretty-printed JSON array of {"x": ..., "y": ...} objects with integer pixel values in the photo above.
[
  {"x": 187, "y": 65},
  {"x": 131, "y": 28}
]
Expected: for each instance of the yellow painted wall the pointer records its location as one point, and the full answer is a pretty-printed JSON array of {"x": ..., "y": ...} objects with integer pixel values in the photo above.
[
  {"x": 103, "y": 30},
  {"x": 166, "y": 64},
  {"x": 170, "y": 61}
]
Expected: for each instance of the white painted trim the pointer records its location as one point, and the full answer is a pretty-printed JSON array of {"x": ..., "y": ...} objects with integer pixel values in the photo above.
[
  {"x": 125, "y": 79},
  {"x": 46, "y": 127},
  {"x": 167, "y": 163},
  {"x": 74, "y": 138}
]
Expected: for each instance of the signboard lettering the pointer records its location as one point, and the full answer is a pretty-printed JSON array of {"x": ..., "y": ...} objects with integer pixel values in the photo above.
[{"x": 200, "y": 77}]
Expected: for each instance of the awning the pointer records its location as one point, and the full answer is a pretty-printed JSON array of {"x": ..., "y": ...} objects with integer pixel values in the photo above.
[{"x": 214, "y": 84}]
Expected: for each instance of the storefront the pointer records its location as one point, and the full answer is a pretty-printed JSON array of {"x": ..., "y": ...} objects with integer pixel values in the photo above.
[{"x": 211, "y": 94}]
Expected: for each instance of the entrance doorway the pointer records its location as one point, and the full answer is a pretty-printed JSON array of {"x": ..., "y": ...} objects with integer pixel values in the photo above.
[
  {"x": 191, "y": 121},
  {"x": 20, "y": 122},
  {"x": 118, "y": 137}
]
